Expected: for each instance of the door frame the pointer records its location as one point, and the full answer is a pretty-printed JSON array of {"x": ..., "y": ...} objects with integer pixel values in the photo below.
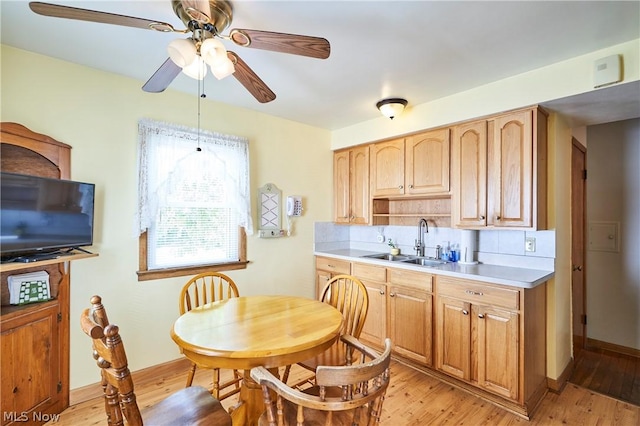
[{"x": 578, "y": 246}]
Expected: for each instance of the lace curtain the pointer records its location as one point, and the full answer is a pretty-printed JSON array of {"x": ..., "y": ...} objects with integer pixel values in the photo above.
[{"x": 170, "y": 155}]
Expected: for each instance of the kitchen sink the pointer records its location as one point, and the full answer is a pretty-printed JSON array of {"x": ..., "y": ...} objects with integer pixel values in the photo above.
[
  {"x": 423, "y": 261},
  {"x": 387, "y": 256}
]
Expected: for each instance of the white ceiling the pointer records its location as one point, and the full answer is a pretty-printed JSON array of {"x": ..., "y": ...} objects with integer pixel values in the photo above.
[{"x": 419, "y": 50}]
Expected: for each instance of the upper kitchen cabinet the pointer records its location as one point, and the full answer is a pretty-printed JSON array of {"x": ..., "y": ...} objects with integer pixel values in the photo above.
[
  {"x": 427, "y": 163},
  {"x": 499, "y": 171},
  {"x": 416, "y": 165},
  {"x": 387, "y": 168},
  {"x": 351, "y": 186}
]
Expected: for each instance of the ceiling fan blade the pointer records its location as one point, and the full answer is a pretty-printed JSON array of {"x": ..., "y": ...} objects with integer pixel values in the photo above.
[
  {"x": 58, "y": 11},
  {"x": 162, "y": 78},
  {"x": 250, "y": 80},
  {"x": 314, "y": 47}
]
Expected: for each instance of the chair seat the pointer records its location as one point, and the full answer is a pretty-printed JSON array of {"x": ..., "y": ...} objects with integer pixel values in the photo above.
[
  {"x": 316, "y": 417},
  {"x": 335, "y": 356},
  {"x": 203, "y": 409}
]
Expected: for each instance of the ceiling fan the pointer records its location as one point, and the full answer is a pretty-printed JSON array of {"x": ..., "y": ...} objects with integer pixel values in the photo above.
[{"x": 204, "y": 20}]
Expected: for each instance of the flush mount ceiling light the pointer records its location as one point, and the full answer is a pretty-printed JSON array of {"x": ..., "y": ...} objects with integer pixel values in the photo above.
[{"x": 391, "y": 107}]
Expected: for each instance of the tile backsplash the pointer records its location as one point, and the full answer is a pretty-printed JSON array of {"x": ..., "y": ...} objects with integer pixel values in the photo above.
[{"x": 493, "y": 246}]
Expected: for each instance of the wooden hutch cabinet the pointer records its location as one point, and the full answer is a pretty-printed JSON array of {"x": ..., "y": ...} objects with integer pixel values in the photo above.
[
  {"x": 35, "y": 338},
  {"x": 351, "y": 186}
]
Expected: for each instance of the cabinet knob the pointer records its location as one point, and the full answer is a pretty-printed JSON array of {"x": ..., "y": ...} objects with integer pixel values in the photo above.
[
  {"x": 498, "y": 217},
  {"x": 481, "y": 217},
  {"x": 465, "y": 312},
  {"x": 382, "y": 292},
  {"x": 577, "y": 268},
  {"x": 392, "y": 295},
  {"x": 15, "y": 390},
  {"x": 411, "y": 186},
  {"x": 480, "y": 316},
  {"x": 401, "y": 186}
]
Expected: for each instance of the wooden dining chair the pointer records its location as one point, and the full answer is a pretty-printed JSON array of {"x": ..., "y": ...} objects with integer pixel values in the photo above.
[
  {"x": 189, "y": 406},
  {"x": 206, "y": 288},
  {"x": 347, "y": 395},
  {"x": 347, "y": 294}
]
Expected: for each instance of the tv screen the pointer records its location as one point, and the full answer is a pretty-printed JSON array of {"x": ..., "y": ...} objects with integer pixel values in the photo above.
[{"x": 42, "y": 215}]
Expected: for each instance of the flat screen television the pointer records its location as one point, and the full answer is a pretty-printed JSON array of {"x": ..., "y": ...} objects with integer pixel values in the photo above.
[{"x": 42, "y": 216}]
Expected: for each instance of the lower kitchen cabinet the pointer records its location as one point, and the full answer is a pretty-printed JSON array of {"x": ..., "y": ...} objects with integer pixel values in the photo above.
[
  {"x": 487, "y": 338},
  {"x": 411, "y": 314},
  {"x": 327, "y": 268},
  {"x": 400, "y": 307},
  {"x": 493, "y": 337}
]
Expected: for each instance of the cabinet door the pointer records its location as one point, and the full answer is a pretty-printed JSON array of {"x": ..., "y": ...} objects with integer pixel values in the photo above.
[
  {"x": 387, "y": 168},
  {"x": 30, "y": 364},
  {"x": 359, "y": 186},
  {"x": 510, "y": 162},
  {"x": 470, "y": 175},
  {"x": 427, "y": 163},
  {"x": 411, "y": 323},
  {"x": 375, "y": 326},
  {"x": 453, "y": 328},
  {"x": 322, "y": 278},
  {"x": 497, "y": 350},
  {"x": 341, "y": 186}
]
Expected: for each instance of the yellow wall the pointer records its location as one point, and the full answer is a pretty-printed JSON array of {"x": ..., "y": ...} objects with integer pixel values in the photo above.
[{"x": 97, "y": 114}]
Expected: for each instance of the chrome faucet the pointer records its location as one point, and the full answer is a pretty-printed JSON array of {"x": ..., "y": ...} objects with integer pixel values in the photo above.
[{"x": 419, "y": 246}]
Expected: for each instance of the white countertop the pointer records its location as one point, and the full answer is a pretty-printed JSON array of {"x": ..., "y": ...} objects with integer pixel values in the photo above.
[{"x": 495, "y": 274}]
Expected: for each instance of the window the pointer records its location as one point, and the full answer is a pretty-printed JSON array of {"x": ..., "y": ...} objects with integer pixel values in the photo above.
[{"x": 194, "y": 209}]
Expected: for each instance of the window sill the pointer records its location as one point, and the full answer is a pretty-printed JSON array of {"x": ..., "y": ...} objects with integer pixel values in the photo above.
[{"x": 157, "y": 274}]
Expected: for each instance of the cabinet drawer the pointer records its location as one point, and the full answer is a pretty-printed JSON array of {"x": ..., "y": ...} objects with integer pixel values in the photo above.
[
  {"x": 479, "y": 293},
  {"x": 411, "y": 278},
  {"x": 370, "y": 272},
  {"x": 336, "y": 266}
]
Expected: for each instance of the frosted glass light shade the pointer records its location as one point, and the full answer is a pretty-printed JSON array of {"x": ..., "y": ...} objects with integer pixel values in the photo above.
[
  {"x": 196, "y": 69},
  {"x": 182, "y": 52},
  {"x": 212, "y": 50},
  {"x": 391, "y": 107},
  {"x": 222, "y": 68}
]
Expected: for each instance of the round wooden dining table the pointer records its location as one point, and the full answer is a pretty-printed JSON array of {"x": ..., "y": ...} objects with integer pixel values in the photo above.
[{"x": 245, "y": 332}]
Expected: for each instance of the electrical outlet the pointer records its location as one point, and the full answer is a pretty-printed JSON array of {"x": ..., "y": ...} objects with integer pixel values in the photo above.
[{"x": 530, "y": 244}]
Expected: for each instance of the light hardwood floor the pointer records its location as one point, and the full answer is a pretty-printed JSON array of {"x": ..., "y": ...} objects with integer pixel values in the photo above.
[{"x": 413, "y": 398}]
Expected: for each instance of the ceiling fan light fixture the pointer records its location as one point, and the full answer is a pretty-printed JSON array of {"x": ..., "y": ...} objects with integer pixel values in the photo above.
[
  {"x": 212, "y": 50},
  {"x": 222, "y": 68},
  {"x": 182, "y": 52},
  {"x": 391, "y": 107},
  {"x": 196, "y": 69}
]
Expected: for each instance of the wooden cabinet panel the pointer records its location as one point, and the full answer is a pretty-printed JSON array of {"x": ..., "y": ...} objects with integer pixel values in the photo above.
[
  {"x": 30, "y": 383},
  {"x": 369, "y": 272},
  {"x": 351, "y": 186},
  {"x": 453, "y": 329},
  {"x": 475, "y": 292},
  {"x": 410, "y": 323},
  {"x": 499, "y": 171},
  {"x": 375, "y": 326},
  {"x": 469, "y": 164},
  {"x": 427, "y": 163},
  {"x": 510, "y": 161},
  {"x": 408, "y": 278},
  {"x": 387, "y": 168},
  {"x": 497, "y": 349},
  {"x": 335, "y": 266}
]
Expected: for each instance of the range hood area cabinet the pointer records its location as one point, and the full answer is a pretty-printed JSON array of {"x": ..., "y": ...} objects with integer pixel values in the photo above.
[
  {"x": 499, "y": 171},
  {"x": 351, "y": 186},
  {"x": 415, "y": 165}
]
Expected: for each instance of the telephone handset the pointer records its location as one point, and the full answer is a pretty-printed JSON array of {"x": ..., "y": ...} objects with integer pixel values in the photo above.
[{"x": 294, "y": 206}]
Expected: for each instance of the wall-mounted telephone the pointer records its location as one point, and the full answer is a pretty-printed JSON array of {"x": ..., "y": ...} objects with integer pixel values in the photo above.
[{"x": 294, "y": 206}]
